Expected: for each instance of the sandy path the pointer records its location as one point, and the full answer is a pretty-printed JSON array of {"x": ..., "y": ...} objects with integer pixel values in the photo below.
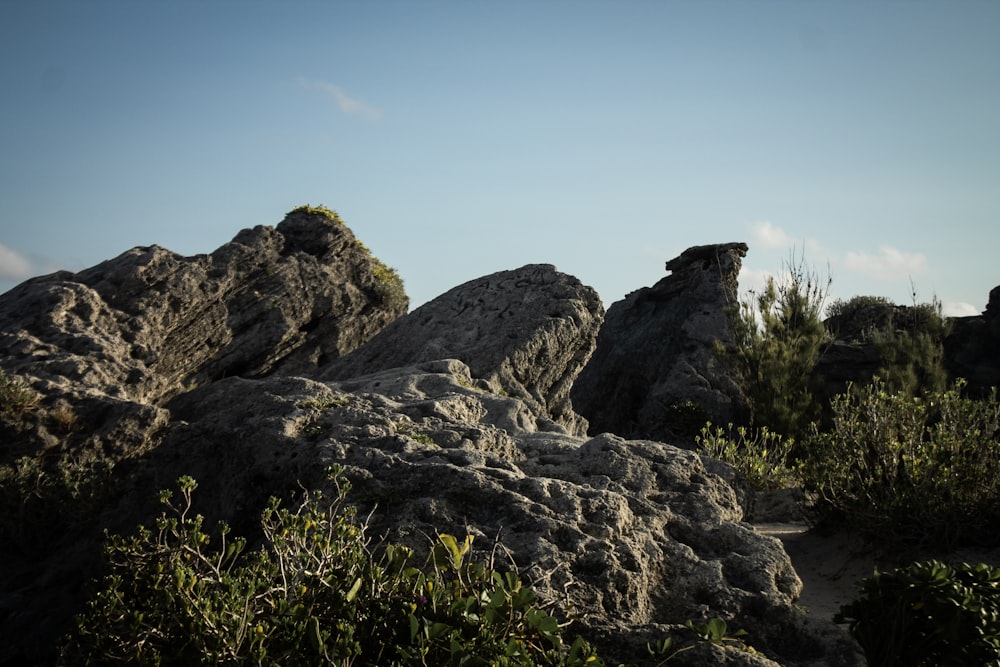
[{"x": 830, "y": 566}]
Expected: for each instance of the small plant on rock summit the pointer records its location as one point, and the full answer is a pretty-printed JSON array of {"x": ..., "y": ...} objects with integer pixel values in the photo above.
[{"x": 328, "y": 213}]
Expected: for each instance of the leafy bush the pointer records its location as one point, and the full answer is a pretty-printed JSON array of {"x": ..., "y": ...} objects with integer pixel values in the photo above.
[
  {"x": 850, "y": 308},
  {"x": 909, "y": 469},
  {"x": 389, "y": 286},
  {"x": 778, "y": 335},
  {"x": 761, "y": 456},
  {"x": 41, "y": 500},
  {"x": 328, "y": 213},
  {"x": 911, "y": 348},
  {"x": 312, "y": 594},
  {"x": 928, "y": 614},
  {"x": 16, "y": 400}
]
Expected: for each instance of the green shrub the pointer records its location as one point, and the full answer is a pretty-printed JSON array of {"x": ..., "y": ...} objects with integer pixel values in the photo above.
[
  {"x": 42, "y": 498},
  {"x": 778, "y": 335},
  {"x": 389, "y": 286},
  {"x": 912, "y": 469},
  {"x": 312, "y": 594},
  {"x": 328, "y": 213},
  {"x": 850, "y": 308},
  {"x": 928, "y": 614},
  {"x": 17, "y": 399},
  {"x": 911, "y": 349},
  {"x": 761, "y": 456}
]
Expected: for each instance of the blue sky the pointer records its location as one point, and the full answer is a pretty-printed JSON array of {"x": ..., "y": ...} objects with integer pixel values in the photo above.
[{"x": 461, "y": 138}]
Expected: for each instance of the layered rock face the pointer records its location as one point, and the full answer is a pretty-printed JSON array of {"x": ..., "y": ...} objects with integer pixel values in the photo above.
[
  {"x": 655, "y": 359},
  {"x": 972, "y": 351},
  {"x": 633, "y": 536},
  {"x": 149, "y": 323},
  {"x": 526, "y": 332}
]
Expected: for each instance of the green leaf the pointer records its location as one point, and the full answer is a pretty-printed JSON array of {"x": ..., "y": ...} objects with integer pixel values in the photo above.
[
  {"x": 353, "y": 593},
  {"x": 313, "y": 634}
]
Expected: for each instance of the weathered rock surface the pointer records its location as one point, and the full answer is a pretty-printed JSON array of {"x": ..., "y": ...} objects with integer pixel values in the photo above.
[
  {"x": 655, "y": 356},
  {"x": 635, "y": 536},
  {"x": 972, "y": 351},
  {"x": 526, "y": 332},
  {"x": 148, "y": 323}
]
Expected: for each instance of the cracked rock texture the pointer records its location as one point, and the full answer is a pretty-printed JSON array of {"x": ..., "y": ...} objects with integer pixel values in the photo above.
[
  {"x": 255, "y": 367},
  {"x": 655, "y": 373},
  {"x": 527, "y": 332}
]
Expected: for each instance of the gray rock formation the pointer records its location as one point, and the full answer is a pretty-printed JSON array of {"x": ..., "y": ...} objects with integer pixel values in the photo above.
[
  {"x": 655, "y": 372},
  {"x": 972, "y": 351},
  {"x": 526, "y": 332},
  {"x": 148, "y": 323},
  {"x": 634, "y": 536}
]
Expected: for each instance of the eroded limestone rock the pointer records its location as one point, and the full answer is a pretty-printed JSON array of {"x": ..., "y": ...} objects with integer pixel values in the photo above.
[
  {"x": 655, "y": 372},
  {"x": 527, "y": 332}
]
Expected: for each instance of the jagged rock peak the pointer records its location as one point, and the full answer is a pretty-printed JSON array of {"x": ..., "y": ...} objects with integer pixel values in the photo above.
[
  {"x": 526, "y": 332},
  {"x": 655, "y": 372},
  {"x": 150, "y": 323}
]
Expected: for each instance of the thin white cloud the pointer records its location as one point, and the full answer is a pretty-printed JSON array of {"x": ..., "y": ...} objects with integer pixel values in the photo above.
[
  {"x": 14, "y": 265},
  {"x": 768, "y": 235},
  {"x": 959, "y": 309},
  {"x": 347, "y": 103},
  {"x": 889, "y": 265},
  {"x": 753, "y": 280}
]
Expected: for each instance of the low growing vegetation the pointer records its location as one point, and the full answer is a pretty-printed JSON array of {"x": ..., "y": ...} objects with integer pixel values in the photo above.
[
  {"x": 907, "y": 458},
  {"x": 928, "y": 613},
  {"x": 308, "y": 209},
  {"x": 312, "y": 594},
  {"x": 17, "y": 399},
  {"x": 761, "y": 456},
  {"x": 908, "y": 469}
]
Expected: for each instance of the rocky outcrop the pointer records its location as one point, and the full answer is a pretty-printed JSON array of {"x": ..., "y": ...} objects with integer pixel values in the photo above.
[
  {"x": 655, "y": 372},
  {"x": 632, "y": 537},
  {"x": 526, "y": 332},
  {"x": 972, "y": 350},
  {"x": 636, "y": 537},
  {"x": 149, "y": 323}
]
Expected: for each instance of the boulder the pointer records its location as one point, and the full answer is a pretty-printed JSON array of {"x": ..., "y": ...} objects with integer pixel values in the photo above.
[
  {"x": 236, "y": 368},
  {"x": 972, "y": 350},
  {"x": 526, "y": 332},
  {"x": 655, "y": 372},
  {"x": 635, "y": 537},
  {"x": 149, "y": 323}
]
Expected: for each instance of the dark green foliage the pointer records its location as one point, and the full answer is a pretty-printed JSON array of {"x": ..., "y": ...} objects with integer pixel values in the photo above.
[
  {"x": 778, "y": 337},
  {"x": 928, "y": 613},
  {"x": 912, "y": 349},
  {"x": 855, "y": 305},
  {"x": 909, "y": 469},
  {"x": 389, "y": 286},
  {"x": 17, "y": 400},
  {"x": 41, "y": 500},
  {"x": 312, "y": 595}
]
